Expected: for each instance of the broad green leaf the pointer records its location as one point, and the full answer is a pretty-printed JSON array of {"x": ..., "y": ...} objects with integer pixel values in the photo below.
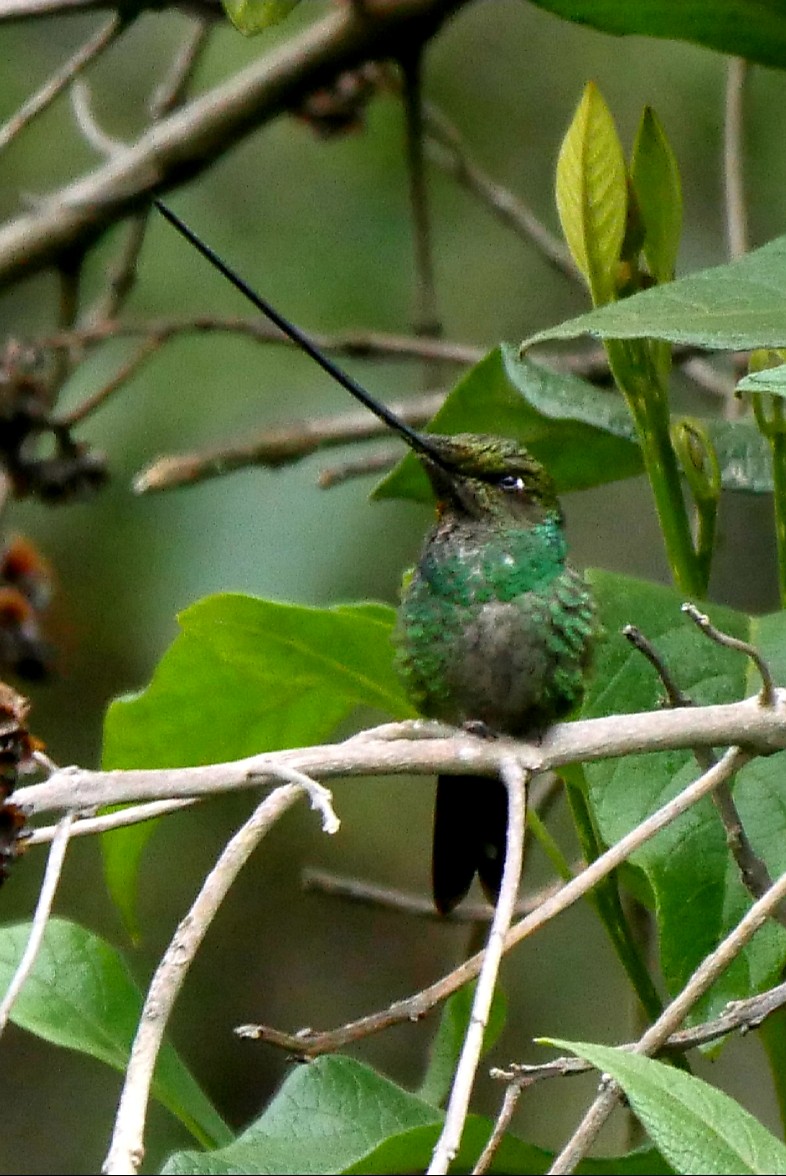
[
  {"x": 254, "y": 16},
  {"x": 735, "y": 306},
  {"x": 755, "y": 29},
  {"x": 246, "y": 675},
  {"x": 592, "y": 194},
  {"x": 772, "y": 380},
  {"x": 81, "y": 995},
  {"x": 326, "y": 1117},
  {"x": 584, "y": 436},
  {"x": 337, "y": 1115},
  {"x": 699, "y": 1129},
  {"x": 447, "y": 1043},
  {"x": 695, "y": 884},
  {"x": 656, "y": 182}
]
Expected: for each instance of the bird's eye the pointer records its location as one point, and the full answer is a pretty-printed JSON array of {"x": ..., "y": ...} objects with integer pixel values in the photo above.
[{"x": 511, "y": 482}]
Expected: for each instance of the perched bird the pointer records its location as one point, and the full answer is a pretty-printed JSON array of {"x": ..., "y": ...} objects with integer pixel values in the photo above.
[
  {"x": 495, "y": 627},
  {"x": 494, "y": 630}
]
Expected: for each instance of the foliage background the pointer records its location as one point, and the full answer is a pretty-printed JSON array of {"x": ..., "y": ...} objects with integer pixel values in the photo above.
[{"x": 323, "y": 228}]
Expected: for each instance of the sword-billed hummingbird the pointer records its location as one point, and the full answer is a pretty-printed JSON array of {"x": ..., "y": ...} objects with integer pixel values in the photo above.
[{"x": 494, "y": 628}]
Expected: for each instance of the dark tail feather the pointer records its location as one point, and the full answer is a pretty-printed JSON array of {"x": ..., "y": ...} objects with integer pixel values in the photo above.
[{"x": 470, "y": 836}]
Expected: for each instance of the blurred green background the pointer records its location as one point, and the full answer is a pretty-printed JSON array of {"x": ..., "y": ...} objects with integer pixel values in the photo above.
[{"x": 323, "y": 228}]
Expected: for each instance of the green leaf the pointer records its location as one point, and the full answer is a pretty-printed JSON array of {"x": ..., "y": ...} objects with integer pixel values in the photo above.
[
  {"x": 254, "y": 16},
  {"x": 697, "y": 1128},
  {"x": 81, "y": 995},
  {"x": 772, "y": 380},
  {"x": 656, "y": 182},
  {"x": 447, "y": 1043},
  {"x": 246, "y": 675},
  {"x": 755, "y": 29},
  {"x": 583, "y": 436},
  {"x": 336, "y": 1115},
  {"x": 733, "y": 307},
  {"x": 697, "y": 893},
  {"x": 326, "y": 1117},
  {"x": 592, "y": 194}
]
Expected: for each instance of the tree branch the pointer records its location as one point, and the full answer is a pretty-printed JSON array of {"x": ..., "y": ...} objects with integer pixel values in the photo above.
[
  {"x": 181, "y": 146},
  {"x": 708, "y": 971},
  {"x": 126, "y": 1149},
  {"x": 308, "y": 1043},
  {"x": 761, "y": 729}
]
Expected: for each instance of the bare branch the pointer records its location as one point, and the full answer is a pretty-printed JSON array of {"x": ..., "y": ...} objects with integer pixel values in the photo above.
[
  {"x": 733, "y": 176},
  {"x": 710, "y": 969},
  {"x": 405, "y": 902},
  {"x": 448, "y": 151},
  {"x": 46, "y": 897},
  {"x": 753, "y": 872},
  {"x": 135, "y": 814},
  {"x": 127, "y": 1148},
  {"x": 126, "y": 372},
  {"x": 373, "y": 463},
  {"x": 761, "y": 729},
  {"x": 699, "y": 618},
  {"x": 464, "y": 1079},
  {"x": 310, "y": 1044},
  {"x": 170, "y": 93},
  {"x": 282, "y": 446},
  {"x": 191, "y": 139},
  {"x": 426, "y": 319},
  {"x": 739, "y": 1016},
  {"x": 57, "y": 82},
  {"x": 351, "y": 344}
]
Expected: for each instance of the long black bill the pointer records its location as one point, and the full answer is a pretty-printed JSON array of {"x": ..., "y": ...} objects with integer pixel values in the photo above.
[{"x": 415, "y": 440}]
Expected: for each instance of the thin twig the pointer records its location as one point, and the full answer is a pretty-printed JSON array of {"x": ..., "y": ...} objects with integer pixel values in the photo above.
[
  {"x": 376, "y": 463},
  {"x": 126, "y": 1149},
  {"x": 190, "y": 140},
  {"x": 57, "y": 82},
  {"x": 169, "y": 94},
  {"x": 710, "y": 969},
  {"x": 122, "y": 274},
  {"x": 91, "y": 130},
  {"x": 282, "y": 446},
  {"x": 404, "y": 902},
  {"x": 510, "y": 1100},
  {"x": 753, "y": 872},
  {"x": 464, "y": 1079},
  {"x": 768, "y": 690},
  {"x": 310, "y": 1044},
  {"x": 46, "y": 897},
  {"x": 739, "y": 1016},
  {"x": 674, "y": 694},
  {"x": 448, "y": 151},
  {"x": 761, "y": 729},
  {"x": 119, "y": 819},
  {"x": 350, "y": 344},
  {"x": 733, "y": 157},
  {"x": 126, "y": 372},
  {"x": 426, "y": 318}
]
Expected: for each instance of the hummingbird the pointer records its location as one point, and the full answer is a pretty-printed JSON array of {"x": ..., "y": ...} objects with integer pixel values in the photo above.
[{"x": 495, "y": 627}]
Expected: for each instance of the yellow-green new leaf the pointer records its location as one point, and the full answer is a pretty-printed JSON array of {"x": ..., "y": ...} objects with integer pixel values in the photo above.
[
  {"x": 656, "y": 182},
  {"x": 592, "y": 194},
  {"x": 254, "y": 16}
]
